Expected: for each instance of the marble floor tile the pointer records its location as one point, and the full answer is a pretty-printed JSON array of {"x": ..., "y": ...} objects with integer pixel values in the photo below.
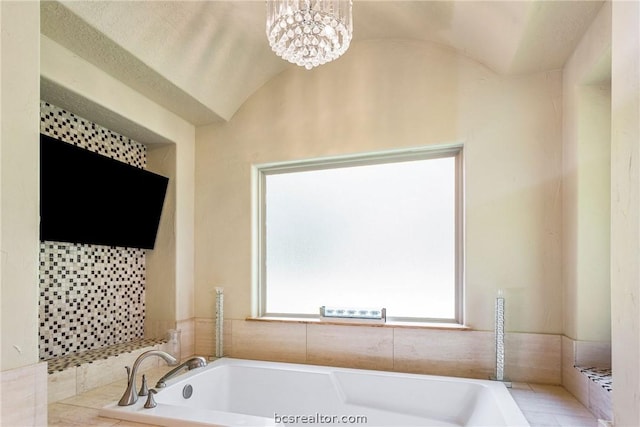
[
  {"x": 64, "y": 415},
  {"x": 575, "y": 421},
  {"x": 540, "y": 419},
  {"x": 550, "y": 405}
]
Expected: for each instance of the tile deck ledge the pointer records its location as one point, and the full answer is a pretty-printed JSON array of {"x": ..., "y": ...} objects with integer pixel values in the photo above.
[{"x": 61, "y": 363}]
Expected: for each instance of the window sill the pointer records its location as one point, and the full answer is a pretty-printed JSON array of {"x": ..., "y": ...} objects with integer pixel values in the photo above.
[{"x": 418, "y": 325}]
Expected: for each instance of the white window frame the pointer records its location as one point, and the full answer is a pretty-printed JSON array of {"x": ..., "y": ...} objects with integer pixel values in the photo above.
[{"x": 260, "y": 172}]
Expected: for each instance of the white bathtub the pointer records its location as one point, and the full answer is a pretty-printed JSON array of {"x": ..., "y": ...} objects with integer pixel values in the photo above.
[{"x": 236, "y": 392}]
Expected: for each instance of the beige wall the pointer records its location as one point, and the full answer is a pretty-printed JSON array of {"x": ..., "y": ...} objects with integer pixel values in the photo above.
[
  {"x": 386, "y": 95},
  {"x": 20, "y": 183},
  {"x": 586, "y": 185},
  {"x": 23, "y": 381},
  {"x": 160, "y": 284},
  {"x": 625, "y": 211}
]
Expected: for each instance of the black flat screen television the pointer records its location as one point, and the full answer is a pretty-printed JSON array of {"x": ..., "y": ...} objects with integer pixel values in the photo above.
[{"x": 86, "y": 197}]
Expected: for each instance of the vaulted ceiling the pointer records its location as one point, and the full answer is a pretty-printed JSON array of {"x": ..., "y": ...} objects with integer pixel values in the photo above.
[{"x": 203, "y": 59}]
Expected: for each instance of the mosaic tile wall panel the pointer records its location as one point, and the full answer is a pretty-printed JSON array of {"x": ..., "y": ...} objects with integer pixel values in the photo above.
[
  {"x": 75, "y": 130},
  {"x": 91, "y": 296}
]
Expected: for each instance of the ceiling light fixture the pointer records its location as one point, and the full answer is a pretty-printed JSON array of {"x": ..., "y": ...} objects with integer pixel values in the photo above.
[{"x": 309, "y": 32}]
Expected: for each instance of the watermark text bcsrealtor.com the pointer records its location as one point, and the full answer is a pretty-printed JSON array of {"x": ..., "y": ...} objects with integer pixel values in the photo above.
[{"x": 318, "y": 418}]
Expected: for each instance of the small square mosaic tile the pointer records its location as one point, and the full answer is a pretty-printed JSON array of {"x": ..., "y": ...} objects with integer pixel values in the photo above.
[
  {"x": 68, "y": 127},
  {"x": 601, "y": 376},
  {"x": 91, "y": 296}
]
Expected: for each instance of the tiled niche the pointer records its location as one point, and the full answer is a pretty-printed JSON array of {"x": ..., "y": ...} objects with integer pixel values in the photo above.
[{"x": 91, "y": 296}]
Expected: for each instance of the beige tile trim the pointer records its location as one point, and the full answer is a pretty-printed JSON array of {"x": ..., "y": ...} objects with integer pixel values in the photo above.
[
  {"x": 349, "y": 346},
  {"x": 417, "y": 349}
]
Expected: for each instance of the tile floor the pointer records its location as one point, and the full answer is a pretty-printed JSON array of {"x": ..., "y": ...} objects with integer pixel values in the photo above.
[
  {"x": 548, "y": 405},
  {"x": 542, "y": 405}
]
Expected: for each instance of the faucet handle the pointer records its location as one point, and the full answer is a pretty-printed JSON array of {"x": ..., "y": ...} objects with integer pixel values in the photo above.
[
  {"x": 143, "y": 388},
  {"x": 151, "y": 402}
]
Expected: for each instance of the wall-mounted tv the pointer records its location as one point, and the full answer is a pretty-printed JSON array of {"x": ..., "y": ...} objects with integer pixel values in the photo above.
[{"x": 86, "y": 197}]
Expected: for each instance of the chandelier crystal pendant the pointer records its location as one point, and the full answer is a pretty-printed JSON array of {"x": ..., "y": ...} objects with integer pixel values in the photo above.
[{"x": 309, "y": 32}]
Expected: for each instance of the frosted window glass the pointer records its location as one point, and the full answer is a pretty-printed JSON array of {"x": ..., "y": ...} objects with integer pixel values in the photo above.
[{"x": 379, "y": 235}]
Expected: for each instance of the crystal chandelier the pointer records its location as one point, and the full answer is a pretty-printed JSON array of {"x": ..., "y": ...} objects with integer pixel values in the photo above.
[{"x": 309, "y": 32}]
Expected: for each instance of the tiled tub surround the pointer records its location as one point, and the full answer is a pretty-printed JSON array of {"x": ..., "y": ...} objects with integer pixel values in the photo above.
[
  {"x": 76, "y": 396},
  {"x": 534, "y": 358},
  {"x": 91, "y": 296},
  {"x": 542, "y": 405}
]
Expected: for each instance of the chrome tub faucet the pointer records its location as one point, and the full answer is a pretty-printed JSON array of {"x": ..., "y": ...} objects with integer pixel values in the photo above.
[{"x": 130, "y": 395}]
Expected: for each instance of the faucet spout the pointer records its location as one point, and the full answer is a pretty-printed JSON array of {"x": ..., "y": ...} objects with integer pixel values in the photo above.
[{"x": 130, "y": 395}]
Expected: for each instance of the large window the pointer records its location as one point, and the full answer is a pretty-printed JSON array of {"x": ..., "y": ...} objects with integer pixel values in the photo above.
[{"x": 371, "y": 232}]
